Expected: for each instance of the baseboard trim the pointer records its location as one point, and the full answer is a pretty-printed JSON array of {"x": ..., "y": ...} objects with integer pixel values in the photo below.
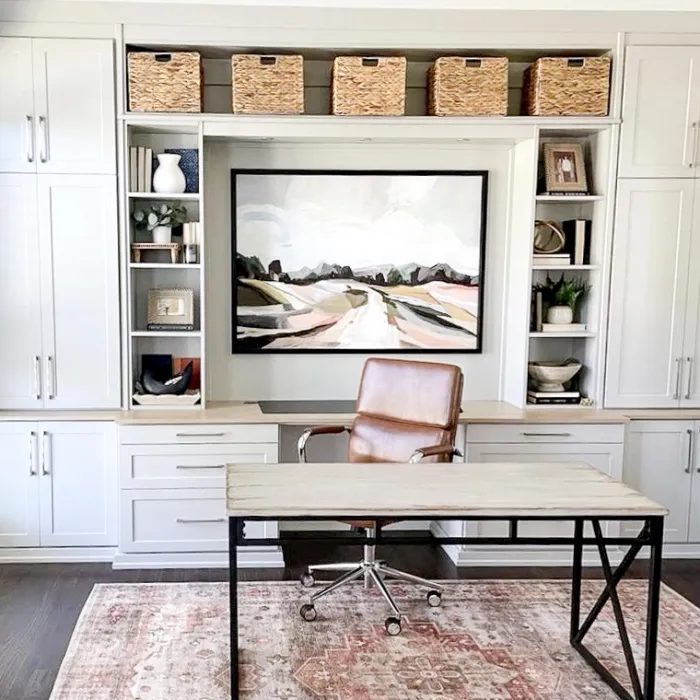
[
  {"x": 51, "y": 555},
  {"x": 248, "y": 558}
]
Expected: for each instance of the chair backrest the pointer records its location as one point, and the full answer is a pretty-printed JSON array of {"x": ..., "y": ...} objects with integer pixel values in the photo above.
[{"x": 403, "y": 406}]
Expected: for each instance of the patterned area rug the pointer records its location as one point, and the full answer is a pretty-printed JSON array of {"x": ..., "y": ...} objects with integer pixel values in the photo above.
[{"x": 491, "y": 640}]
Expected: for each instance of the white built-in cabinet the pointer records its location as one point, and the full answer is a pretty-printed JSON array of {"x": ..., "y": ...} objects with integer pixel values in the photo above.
[
  {"x": 59, "y": 484},
  {"x": 653, "y": 342},
  {"x": 661, "y": 112},
  {"x": 59, "y": 292},
  {"x": 57, "y": 109},
  {"x": 662, "y": 460}
]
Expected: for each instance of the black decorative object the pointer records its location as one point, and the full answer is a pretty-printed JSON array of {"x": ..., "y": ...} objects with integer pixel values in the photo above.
[
  {"x": 175, "y": 385},
  {"x": 189, "y": 164}
]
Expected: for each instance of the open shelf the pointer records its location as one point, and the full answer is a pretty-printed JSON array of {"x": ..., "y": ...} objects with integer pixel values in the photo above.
[
  {"x": 164, "y": 266},
  {"x": 156, "y": 195},
  {"x": 564, "y": 268},
  {"x": 571, "y": 334},
  {"x": 166, "y": 334},
  {"x": 561, "y": 198}
]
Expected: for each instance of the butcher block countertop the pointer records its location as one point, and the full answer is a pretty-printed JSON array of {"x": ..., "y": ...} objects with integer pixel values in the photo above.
[{"x": 328, "y": 413}]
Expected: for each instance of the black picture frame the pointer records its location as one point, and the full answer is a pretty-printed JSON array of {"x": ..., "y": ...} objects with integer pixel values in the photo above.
[{"x": 238, "y": 349}]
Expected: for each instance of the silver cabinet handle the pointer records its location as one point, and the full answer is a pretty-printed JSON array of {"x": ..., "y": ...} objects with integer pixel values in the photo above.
[
  {"x": 37, "y": 376},
  {"x": 32, "y": 450},
  {"x": 546, "y": 434},
  {"x": 689, "y": 161},
  {"x": 43, "y": 140},
  {"x": 50, "y": 378},
  {"x": 44, "y": 453},
  {"x": 689, "y": 360},
  {"x": 200, "y": 466},
  {"x": 199, "y": 435},
  {"x": 29, "y": 136},
  {"x": 189, "y": 521},
  {"x": 677, "y": 392},
  {"x": 693, "y": 153}
]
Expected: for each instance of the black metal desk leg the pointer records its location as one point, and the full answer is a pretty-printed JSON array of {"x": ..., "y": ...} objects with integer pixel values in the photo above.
[
  {"x": 576, "y": 575},
  {"x": 233, "y": 601},
  {"x": 656, "y": 534}
]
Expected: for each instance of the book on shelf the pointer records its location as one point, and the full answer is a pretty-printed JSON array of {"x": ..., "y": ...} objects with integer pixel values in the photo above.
[
  {"x": 169, "y": 327},
  {"x": 535, "y": 394},
  {"x": 554, "y": 400},
  {"x": 141, "y": 170},
  {"x": 577, "y": 233},
  {"x": 563, "y": 327},
  {"x": 565, "y": 194},
  {"x": 148, "y": 170},
  {"x": 536, "y": 311},
  {"x": 133, "y": 168},
  {"x": 554, "y": 259}
]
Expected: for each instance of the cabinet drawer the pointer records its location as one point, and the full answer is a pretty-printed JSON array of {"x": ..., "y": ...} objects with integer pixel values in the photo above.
[
  {"x": 546, "y": 432},
  {"x": 186, "y": 466},
  {"x": 173, "y": 520},
  {"x": 195, "y": 434}
]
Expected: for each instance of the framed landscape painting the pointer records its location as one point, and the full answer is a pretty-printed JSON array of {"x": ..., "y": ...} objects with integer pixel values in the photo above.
[{"x": 364, "y": 261}]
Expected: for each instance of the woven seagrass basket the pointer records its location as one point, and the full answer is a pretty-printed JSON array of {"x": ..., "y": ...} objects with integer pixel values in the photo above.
[
  {"x": 468, "y": 87},
  {"x": 267, "y": 84},
  {"x": 575, "y": 87},
  {"x": 165, "y": 82},
  {"x": 369, "y": 86}
]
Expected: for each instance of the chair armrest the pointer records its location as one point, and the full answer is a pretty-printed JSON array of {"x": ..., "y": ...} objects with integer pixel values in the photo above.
[
  {"x": 318, "y": 430},
  {"x": 435, "y": 451}
]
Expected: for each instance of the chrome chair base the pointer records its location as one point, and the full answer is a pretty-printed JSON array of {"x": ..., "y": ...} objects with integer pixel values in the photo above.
[{"x": 373, "y": 572}]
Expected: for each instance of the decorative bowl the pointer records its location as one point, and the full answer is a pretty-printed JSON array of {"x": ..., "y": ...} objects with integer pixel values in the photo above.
[{"x": 551, "y": 376}]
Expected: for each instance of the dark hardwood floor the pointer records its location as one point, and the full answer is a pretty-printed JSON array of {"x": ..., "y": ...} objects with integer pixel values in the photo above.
[{"x": 40, "y": 603}]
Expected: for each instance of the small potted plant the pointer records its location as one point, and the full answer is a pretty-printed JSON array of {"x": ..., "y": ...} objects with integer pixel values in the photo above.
[
  {"x": 159, "y": 219},
  {"x": 562, "y": 297}
]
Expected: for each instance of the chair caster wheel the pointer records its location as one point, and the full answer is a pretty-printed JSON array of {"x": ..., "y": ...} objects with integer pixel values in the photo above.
[
  {"x": 434, "y": 599},
  {"x": 308, "y": 612},
  {"x": 392, "y": 626},
  {"x": 307, "y": 580}
]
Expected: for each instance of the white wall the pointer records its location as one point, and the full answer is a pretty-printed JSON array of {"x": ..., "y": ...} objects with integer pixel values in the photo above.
[{"x": 299, "y": 376}]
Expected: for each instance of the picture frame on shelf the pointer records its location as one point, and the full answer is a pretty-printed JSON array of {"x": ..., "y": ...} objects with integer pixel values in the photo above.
[
  {"x": 170, "y": 309},
  {"x": 564, "y": 168}
]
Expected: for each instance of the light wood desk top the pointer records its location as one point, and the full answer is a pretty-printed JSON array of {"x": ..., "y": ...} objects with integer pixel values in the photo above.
[{"x": 434, "y": 490}]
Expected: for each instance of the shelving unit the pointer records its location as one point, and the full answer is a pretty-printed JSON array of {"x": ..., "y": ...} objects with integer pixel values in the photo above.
[
  {"x": 599, "y": 145},
  {"x": 155, "y": 269}
]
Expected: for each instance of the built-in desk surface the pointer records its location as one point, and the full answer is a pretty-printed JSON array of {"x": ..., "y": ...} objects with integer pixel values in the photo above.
[{"x": 434, "y": 490}]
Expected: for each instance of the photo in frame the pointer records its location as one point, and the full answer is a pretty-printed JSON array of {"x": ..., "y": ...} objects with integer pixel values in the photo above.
[
  {"x": 564, "y": 168},
  {"x": 170, "y": 309},
  {"x": 358, "y": 261}
]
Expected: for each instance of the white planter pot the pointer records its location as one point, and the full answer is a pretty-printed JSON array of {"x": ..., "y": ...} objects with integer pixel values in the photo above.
[
  {"x": 162, "y": 234},
  {"x": 168, "y": 178},
  {"x": 560, "y": 314}
]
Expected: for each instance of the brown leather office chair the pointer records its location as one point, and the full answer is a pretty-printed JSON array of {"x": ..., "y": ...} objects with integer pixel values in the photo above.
[{"x": 406, "y": 412}]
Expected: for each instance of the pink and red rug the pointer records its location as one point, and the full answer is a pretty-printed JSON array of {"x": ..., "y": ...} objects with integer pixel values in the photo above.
[{"x": 491, "y": 640}]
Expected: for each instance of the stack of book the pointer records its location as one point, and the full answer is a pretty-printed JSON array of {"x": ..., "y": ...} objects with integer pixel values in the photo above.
[
  {"x": 140, "y": 169},
  {"x": 553, "y": 397},
  {"x": 551, "y": 259}
]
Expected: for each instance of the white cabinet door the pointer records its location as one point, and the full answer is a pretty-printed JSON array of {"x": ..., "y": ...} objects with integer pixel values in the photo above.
[
  {"x": 74, "y": 106},
  {"x": 690, "y": 385},
  {"x": 607, "y": 458},
  {"x": 20, "y": 295},
  {"x": 648, "y": 293},
  {"x": 660, "y": 111},
  {"x": 694, "y": 519},
  {"x": 19, "y": 485},
  {"x": 17, "y": 152},
  {"x": 79, "y": 262},
  {"x": 78, "y": 480},
  {"x": 658, "y": 462}
]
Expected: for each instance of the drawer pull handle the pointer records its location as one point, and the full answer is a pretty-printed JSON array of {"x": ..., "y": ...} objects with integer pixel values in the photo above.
[
  {"x": 199, "y": 435},
  {"x": 188, "y": 521},
  {"x": 200, "y": 466},
  {"x": 546, "y": 434}
]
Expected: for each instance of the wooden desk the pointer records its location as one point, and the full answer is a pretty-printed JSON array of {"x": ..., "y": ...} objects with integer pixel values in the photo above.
[{"x": 512, "y": 492}]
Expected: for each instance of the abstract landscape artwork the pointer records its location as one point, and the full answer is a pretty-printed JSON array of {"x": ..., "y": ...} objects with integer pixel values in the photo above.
[{"x": 358, "y": 261}]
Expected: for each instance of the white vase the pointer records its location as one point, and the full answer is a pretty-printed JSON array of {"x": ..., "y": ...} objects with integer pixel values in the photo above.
[
  {"x": 168, "y": 178},
  {"x": 162, "y": 234},
  {"x": 560, "y": 314}
]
